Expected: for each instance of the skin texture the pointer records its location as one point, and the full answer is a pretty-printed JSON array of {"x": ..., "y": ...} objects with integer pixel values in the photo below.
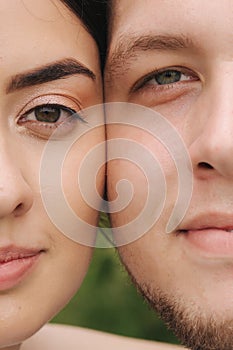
[
  {"x": 52, "y": 337},
  {"x": 32, "y": 35},
  {"x": 189, "y": 283}
]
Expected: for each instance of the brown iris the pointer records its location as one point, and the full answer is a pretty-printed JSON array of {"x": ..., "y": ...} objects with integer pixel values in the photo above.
[{"x": 47, "y": 114}]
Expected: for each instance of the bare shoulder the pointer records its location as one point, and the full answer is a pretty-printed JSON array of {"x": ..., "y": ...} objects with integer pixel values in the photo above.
[{"x": 60, "y": 337}]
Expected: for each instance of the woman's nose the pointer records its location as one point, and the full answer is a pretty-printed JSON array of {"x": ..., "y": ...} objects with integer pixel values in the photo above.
[{"x": 16, "y": 196}]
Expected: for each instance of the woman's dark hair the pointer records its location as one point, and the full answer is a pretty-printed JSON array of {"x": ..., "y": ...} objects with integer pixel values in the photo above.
[{"x": 93, "y": 15}]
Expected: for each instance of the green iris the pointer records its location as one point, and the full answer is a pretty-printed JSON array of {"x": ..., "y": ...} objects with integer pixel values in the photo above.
[
  {"x": 47, "y": 114},
  {"x": 168, "y": 77}
]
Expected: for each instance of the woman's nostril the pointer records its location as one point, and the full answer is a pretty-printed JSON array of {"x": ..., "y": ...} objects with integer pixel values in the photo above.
[{"x": 20, "y": 209}]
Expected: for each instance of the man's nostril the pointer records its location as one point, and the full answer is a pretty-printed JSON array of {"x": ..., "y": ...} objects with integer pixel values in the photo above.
[{"x": 204, "y": 165}]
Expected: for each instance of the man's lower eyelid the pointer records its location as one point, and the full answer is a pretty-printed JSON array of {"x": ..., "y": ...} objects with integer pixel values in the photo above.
[
  {"x": 143, "y": 81},
  {"x": 150, "y": 76},
  {"x": 162, "y": 86}
]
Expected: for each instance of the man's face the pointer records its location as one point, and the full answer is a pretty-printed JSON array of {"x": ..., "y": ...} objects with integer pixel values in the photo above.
[{"x": 176, "y": 57}]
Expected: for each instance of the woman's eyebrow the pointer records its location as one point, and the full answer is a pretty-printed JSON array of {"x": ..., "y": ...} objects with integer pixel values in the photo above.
[{"x": 49, "y": 72}]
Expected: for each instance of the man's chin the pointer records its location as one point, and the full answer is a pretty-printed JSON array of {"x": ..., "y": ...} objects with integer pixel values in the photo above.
[{"x": 190, "y": 323}]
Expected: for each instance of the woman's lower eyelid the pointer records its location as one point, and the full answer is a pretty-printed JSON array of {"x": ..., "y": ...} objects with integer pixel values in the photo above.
[{"x": 43, "y": 129}]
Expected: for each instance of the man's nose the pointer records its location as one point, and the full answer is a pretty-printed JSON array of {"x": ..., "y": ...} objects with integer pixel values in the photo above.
[
  {"x": 15, "y": 193},
  {"x": 212, "y": 149}
]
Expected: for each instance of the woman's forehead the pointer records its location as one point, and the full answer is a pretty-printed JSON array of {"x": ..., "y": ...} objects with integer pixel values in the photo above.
[{"x": 41, "y": 32}]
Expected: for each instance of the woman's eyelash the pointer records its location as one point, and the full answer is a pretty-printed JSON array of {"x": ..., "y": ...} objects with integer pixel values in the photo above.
[
  {"x": 44, "y": 120},
  {"x": 53, "y": 109}
]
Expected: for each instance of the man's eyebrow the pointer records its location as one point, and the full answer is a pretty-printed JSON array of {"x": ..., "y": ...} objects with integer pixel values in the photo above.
[
  {"x": 129, "y": 46},
  {"x": 49, "y": 72}
]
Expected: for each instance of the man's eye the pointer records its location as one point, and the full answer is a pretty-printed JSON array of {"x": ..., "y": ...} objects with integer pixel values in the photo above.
[
  {"x": 169, "y": 76},
  {"x": 165, "y": 85},
  {"x": 48, "y": 113},
  {"x": 165, "y": 78}
]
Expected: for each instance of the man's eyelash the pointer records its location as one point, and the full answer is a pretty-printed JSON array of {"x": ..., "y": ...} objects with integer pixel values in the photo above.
[{"x": 143, "y": 81}]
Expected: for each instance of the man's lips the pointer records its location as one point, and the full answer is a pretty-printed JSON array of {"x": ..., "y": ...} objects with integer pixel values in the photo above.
[
  {"x": 212, "y": 234},
  {"x": 208, "y": 220},
  {"x": 15, "y": 264}
]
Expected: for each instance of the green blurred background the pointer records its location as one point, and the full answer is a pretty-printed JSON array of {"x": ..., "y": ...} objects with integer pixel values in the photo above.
[{"x": 108, "y": 301}]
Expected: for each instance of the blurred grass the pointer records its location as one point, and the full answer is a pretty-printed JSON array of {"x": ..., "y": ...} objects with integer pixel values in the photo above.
[{"x": 107, "y": 301}]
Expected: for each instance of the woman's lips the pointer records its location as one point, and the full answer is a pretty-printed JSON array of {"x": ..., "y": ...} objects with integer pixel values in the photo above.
[
  {"x": 15, "y": 264},
  {"x": 214, "y": 242}
]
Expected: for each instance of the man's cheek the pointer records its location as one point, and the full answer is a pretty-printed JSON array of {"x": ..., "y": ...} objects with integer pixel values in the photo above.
[{"x": 129, "y": 188}]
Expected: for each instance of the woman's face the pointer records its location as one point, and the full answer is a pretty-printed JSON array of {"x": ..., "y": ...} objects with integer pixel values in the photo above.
[{"x": 40, "y": 268}]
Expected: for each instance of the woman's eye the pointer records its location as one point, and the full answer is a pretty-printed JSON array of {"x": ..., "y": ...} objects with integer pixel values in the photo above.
[
  {"x": 43, "y": 120},
  {"x": 49, "y": 113}
]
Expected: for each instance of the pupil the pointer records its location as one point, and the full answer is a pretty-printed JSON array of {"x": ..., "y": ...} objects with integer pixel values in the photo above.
[
  {"x": 168, "y": 77},
  {"x": 47, "y": 114}
]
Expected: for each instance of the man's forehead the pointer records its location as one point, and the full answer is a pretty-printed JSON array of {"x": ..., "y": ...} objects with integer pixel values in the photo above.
[
  {"x": 192, "y": 18},
  {"x": 137, "y": 24},
  {"x": 140, "y": 27},
  {"x": 121, "y": 10},
  {"x": 128, "y": 13}
]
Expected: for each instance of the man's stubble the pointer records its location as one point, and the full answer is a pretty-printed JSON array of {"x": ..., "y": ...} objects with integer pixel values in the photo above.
[{"x": 190, "y": 324}]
